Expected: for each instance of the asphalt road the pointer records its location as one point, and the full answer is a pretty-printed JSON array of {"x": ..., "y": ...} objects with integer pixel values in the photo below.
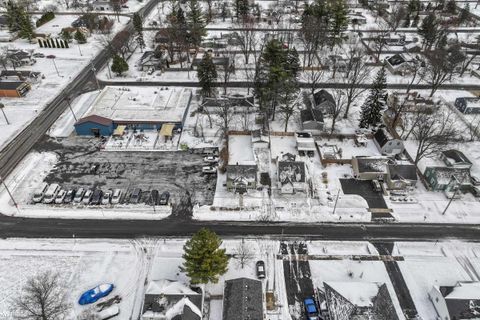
[
  {"x": 172, "y": 227},
  {"x": 19, "y": 147}
]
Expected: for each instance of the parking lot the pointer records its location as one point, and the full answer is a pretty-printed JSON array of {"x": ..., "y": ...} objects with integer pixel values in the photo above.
[
  {"x": 364, "y": 189},
  {"x": 82, "y": 164}
]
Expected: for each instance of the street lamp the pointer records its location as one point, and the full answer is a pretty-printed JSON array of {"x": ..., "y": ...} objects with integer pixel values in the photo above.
[
  {"x": 2, "y": 106},
  {"x": 455, "y": 188},
  {"x": 52, "y": 57}
]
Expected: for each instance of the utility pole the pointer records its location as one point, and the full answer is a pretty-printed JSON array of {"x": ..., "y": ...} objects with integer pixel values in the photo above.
[
  {"x": 79, "y": 50},
  {"x": 336, "y": 200},
  {"x": 9, "y": 193},
  {"x": 456, "y": 188},
  {"x": 71, "y": 109}
]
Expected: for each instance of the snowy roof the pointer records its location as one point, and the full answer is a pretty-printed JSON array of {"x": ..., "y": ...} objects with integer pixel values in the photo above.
[
  {"x": 311, "y": 115},
  {"x": 96, "y": 119},
  {"x": 366, "y": 164},
  {"x": 455, "y": 157},
  {"x": 240, "y": 151},
  {"x": 242, "y": 299},
  {"x": 321, "y": 96},
  {"x": 381, "y": 137},
  {"x": 164, "y": 286},
  {"x": 145, "y": 104},
  {"x": 291, "y": 172},
  {"x": 358, "y": 293},
  {"x": 462, "y": 300},
  {"x": 402, "y": 172}
]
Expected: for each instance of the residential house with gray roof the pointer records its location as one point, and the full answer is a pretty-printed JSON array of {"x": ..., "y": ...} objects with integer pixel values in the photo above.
[{"x": 243, "y": 299}]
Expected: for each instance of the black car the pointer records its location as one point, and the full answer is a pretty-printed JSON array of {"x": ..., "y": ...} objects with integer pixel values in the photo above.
[
  {"x": 153, "y": 198},
  {"x": 260, "y": 266},
  {"x": 69, "y": 196},
  {"x": 164, "y": 197},
  {"x": 96, "y": 197},
  {"x": 136, "y": 195}
]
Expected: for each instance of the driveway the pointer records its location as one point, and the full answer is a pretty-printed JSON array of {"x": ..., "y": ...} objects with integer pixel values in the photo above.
[{"x": 364, "y": 189}]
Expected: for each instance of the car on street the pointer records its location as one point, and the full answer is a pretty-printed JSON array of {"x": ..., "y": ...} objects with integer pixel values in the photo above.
[
  {"x": 153, "y": 198},
  {"x": 116, "y": 196},
  {"x": 260, "y": 267},
  {"x": 60, "y": 196},
  {"x": 209, "y": 169},
  {"x": 51, "y": 56},
  {"x": 87, "y": 197},
  {"x": 95, "y": 294},
  {"x": 310, "y": 309},
  {"x": 79, "y": 195},
  {"x": 38, "y": 55},
  {"x": 96, "y": 197},
  {"x": 107, "y": 195},
  {"x": 135, "y": 196},
  {"x": 164, "y": 198},
  {"x": 69, "y": 196},
  {"x": 40, "y": 193},
  {"x": 210, "y": 159},
  {"x": 51, "y": 193}
]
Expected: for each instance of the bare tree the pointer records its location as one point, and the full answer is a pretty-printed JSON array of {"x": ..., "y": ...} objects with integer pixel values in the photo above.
[
  {"x": 473, "y": 124},
  {"x": 379, "y": 39},
  {"x": 357, "y": 72},
  {"x": 441, "y": 64},
  {"x": 473, "y": 53},
  {"x": 246, "y": 37},
  {"x": 432, "y": 132},
  {"x": 314, "y": 73},
  {"x": 243, "y": 254},
  {"x": 225, "y": 116},
  {"x": 228, "y": 67},
  {"x": 4, "y": 57},
  {"x": 335, "y": 109},
  {"x": 43, "y": 298},
  {"x": 397, "y": 14},
  {"x": 116, "y": 7}
]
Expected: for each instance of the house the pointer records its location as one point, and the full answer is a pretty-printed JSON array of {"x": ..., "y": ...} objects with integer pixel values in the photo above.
[
  {"x": 240, "y": 177},
  {"x": 151, "y": 60},
  {"x": 243, "y": 299},
  {"x": 14, "y": 89},
  {"x": 401, "y": 176},
  {"x": 458, "y": 302},
  {"x": 19, "y": 58},
  {"x": 386, "y": 145},
  {"x": 94, "y": 125},
  {"x": 445, "y": 178},
  {"x": 455, "y": 159},
  {"x": 166, "y": 299},
  {"x": 398, "y": 64},
  {"x": 305, "y": 144},
  {"x": 359, "y": 300},
  {"x": 468, "y": 104},
  {"x": 22, "y": 75},
  {"x": 104, "y": 5},
  {"x": 410, "y": 102},
  {"x": 312, "y": 119},
  {"x": 291, "y": 176},
  {"x": 322, "y": 100},
  {"x": 370, "y": 168}
]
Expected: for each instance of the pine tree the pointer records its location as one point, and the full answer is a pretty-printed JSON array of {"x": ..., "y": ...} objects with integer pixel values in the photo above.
[
  {"x": 375, "y": 102},
  {"x": 242, "y": 8},
  {"x": 26, "y": 26},
  {"x": 138, "y": 26},
  {"x": 338, "y": 14},
  {"x": 196, "y": 23},
  {"x": 207, "y": 74},
  {"x": 80, "y": 37},
  {"x": 464, "y": 14},
  {"x": 13, "y": 16},
  {"x": 451, "y": 7},
  {"x": 119, "y": 65},
  {"x": 204, "y": 260}
]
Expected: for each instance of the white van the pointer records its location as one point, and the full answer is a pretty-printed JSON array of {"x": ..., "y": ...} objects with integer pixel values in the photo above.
[
  {"x": 109, "y": 313},
  {"x": 40, "y": 193},
  {"x": 51, "y": 193}
]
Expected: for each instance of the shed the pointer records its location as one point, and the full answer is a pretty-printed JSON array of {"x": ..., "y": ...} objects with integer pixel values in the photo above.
[
  {"x": 387, "y": 145},
  {"x": 323, "y": 100},
  {"x": 312, "y": 119},
  {"x": 400, "y": 176},
  {"x": 94, "y": 125},
  {"x": 370, "y": 168}
]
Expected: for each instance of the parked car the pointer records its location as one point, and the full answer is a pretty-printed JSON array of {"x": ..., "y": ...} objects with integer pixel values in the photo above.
[
  {"x": 40, "y": 193},
  {"x": 95, "y": 294},
  {"x": 209, "y": 169},
  {"x": 109, "y": 313},
  {"x": 69, "y": 196},
  {"x": 260, "y": 266},
  {"x": 164, "y": 198},
  {"x": 376, "y": 186},
  {"x": 79, "y": 195},
  {"x": 211, "y": 159},
  {"x": 310, "y": 309},
  {"x": 51, "y": 193},
  {"x": 116, "y": 196},
  {"x": 475, "y": 181},
  {"x": 87, "y": 197},
  {"x": 136, "y": 195},
  {"x": 153, "y": 197},
  {"x": 107, "y": 195},
  {"x": 60, "y": 196},
  {"x": 38, "y": 55},
  {"x": 96, "y": 197}
]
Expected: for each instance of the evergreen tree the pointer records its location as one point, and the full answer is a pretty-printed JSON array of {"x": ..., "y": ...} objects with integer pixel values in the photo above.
[
  {"x": 196, "y": 23},
  {"x": 66, "y": 35},
  {"x": 13, "y": 16},
  {"x": 25, "y": 24},
  {"x": 204, "y": 260},
  {"x": 242, "y": 8},
  {"x": 138, "y": 26},
  {"x": 119, "y": 65},
  {"x": 451, "y": 7},
  {"x": 429, "y": 30},
  {"x": 464, "y": 14},
  {"x": 80, "y": 37},
  {"x": 338, "y": 15},
  {"x": 375, "y": 102},
  {"x": 207, "y": 74}
]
